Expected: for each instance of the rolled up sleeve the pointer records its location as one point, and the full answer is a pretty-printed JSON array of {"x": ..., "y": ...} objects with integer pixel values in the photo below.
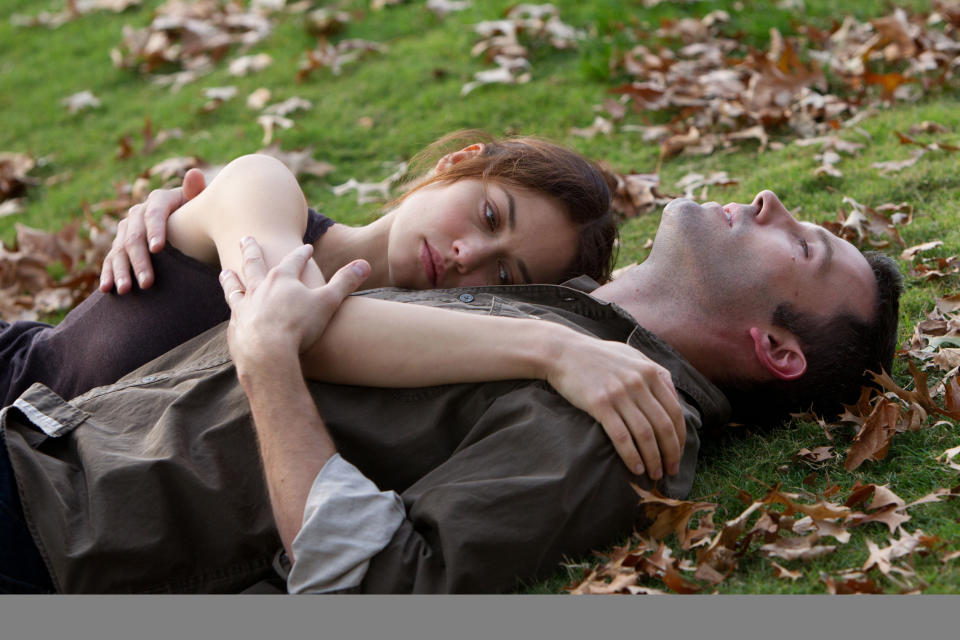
[{"x": 347, "y": 520}]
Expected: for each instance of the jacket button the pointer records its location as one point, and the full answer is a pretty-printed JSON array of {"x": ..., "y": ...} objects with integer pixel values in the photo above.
[{"x": 466, "y": 297}]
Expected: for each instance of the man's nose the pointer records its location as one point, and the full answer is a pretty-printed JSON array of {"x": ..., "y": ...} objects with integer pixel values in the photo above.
[{"x": 771, "y": 209}]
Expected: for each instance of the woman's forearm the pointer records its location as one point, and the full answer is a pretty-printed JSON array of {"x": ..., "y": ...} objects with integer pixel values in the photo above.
[{"x": 391, "y": 344}]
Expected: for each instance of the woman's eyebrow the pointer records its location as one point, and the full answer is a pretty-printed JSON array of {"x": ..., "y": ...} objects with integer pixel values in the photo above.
[{"x": 511, "y": 211}]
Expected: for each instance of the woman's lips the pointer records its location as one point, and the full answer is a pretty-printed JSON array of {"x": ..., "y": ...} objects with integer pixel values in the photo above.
[{"x": 432, "y": 264}]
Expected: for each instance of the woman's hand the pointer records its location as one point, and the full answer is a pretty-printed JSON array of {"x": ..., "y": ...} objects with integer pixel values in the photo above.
[
  {"x": 631, "y": 396},
  {"x": 143, "y": 232}
]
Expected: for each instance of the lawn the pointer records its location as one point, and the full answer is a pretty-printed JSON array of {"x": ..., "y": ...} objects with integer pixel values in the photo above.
[{"x": 381, "y": 108}]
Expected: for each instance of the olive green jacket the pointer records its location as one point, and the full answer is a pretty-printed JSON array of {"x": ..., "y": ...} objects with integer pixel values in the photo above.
[{"x": 154, "y": 483}]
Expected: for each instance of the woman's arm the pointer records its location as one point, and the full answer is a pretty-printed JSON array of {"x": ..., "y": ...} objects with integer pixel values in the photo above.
[{"x": 381, "y": 343}]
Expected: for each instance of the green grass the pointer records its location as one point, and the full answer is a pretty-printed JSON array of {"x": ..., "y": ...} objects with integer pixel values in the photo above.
[{"x": 411, "y": 92}]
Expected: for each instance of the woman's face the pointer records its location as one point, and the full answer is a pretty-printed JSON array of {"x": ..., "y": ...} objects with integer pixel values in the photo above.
[{"x": 460, "y": 234}]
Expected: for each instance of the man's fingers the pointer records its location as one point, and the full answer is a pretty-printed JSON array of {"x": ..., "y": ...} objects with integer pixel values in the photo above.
[
  {"x": 253, "y": 266},
  {"x": 294, "y": 262},
  {"x": 232, "y": 287},
  {"x": 347, "y": 279}
]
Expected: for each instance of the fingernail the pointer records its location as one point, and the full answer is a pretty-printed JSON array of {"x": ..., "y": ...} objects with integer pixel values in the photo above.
[
  {"x": 657, "y": 474},
  {"x": 639, "y": 469},
  {"x": 223, "y": 275},
  {"x": 245, "y": 240},
  {"x": 141, "y": 277},
  {"x": 154, "y": 243},
  {"x": 674, "y": 469},
  {"x": 360, "y": 268}
]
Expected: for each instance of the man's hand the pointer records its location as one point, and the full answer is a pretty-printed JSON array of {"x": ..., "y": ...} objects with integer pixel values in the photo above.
[
  {"x": 631, "y": 396},
  {"x": 271, "y": 321},
  {"x": 143, "y": 232},
  {"x": 277, "y": 313}
]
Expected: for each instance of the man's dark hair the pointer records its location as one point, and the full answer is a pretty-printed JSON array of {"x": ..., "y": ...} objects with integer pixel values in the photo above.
[{"x": 839, "y": 352}]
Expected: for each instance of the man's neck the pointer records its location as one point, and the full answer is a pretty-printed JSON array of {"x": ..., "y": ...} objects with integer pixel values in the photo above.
[{"x": 665, "y": 310}]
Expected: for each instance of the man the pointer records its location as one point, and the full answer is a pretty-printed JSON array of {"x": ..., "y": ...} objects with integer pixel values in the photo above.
[{"x": 498, "y": 481}]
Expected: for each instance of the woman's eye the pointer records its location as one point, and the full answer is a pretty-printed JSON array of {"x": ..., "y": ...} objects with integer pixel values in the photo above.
[
  {"x": 503, "y": 274},
  {"x": 490, "y": 215},
  {"x": 806, "y": 248}
]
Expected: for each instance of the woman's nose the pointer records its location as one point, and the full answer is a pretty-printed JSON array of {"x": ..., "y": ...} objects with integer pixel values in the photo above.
[{"x": 469, "y": 254}]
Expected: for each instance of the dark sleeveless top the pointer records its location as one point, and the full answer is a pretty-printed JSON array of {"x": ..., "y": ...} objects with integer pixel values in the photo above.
[{"x": 109, "y": 335}]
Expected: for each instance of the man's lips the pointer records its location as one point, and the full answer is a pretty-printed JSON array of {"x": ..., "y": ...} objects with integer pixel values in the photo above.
[
  {"x": 432, "y": 264},
  {"x": 728, "y": 212},
  {"x": 734, "y": 211}
]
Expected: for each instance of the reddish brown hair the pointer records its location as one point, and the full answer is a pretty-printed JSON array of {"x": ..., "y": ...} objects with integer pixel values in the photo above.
[{"x": 543, "y": 167}]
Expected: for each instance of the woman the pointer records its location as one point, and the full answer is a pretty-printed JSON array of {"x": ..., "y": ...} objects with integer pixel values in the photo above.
[{"x": 496, "y": 212}]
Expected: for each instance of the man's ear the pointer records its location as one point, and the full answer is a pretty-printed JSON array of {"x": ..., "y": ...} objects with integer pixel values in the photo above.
[
  {"x": 451, "y": 159},
  {"x": 779, "y": 352}
]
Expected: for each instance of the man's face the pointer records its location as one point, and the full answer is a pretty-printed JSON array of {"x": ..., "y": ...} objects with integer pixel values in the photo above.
[{"x": 742, "y": 260}]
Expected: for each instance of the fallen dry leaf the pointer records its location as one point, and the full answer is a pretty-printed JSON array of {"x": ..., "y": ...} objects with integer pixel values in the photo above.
[
  {"x": 80, "y": 101},
  {"x": 259, "y": 98},
  {"x": 325, "y": 22},
  {"x": 245, "y": 65},
  {"x": 75, "y": 9},
  {"x": 372, "y": 191},
  {"x": 693, "y": 181},
  {"x": 508, "y": 71},
  {"x": 600, "y": 125},
  {"x": 634, "y": 193},
  {"x": 269, "y": 123},
  {"x": 441, "y": 8},
  {"x": 785, "y": 574},
  {"x": 947, "y": 557},
  {"x": 14, "y": 174},
  {"x": 801, "y": 548},
  {"x": 673, "y": 516},
  {"x": 818, "y": 454},
  {"x": 873, "y": 439},
  {"x": 882, "y": 558},
  {"x": 191, "y": 37},
  {"x": 910, "y": 252},
  {"x": 334, "y": 57},
  {"x": 300, "y": 162},
  {"x": 850, "y": 583},
  {"x": 948, "y": 456},
  {"x": 27, "y": 289},
  {"x": 500, "y": 43},
  {"x": 288, "y": 106}
]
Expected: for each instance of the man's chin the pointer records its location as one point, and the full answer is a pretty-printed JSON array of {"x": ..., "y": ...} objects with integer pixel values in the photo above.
[{"x": 680, "y": 206}]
